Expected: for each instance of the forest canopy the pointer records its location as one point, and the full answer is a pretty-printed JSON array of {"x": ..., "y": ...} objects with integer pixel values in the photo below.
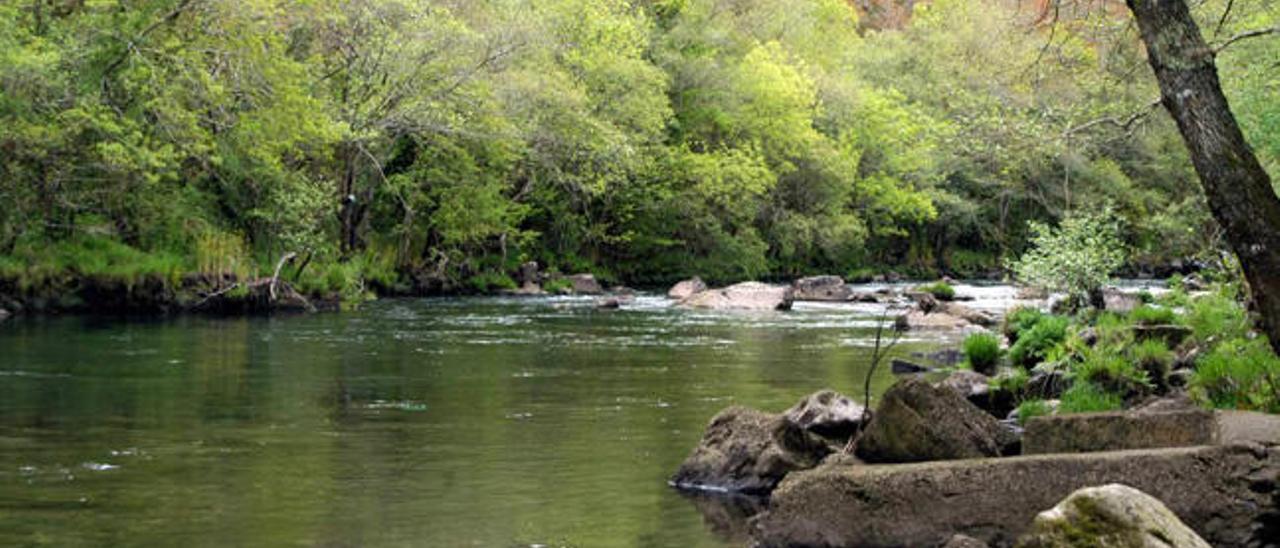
[{"x": 435, "y": 145}]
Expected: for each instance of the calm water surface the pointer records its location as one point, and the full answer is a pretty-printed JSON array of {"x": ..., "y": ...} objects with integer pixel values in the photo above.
[{"x": 427, "y": 422}]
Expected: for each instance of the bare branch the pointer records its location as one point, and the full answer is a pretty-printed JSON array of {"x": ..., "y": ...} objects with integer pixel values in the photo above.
[
  {"x": 1244, "y": 36},
  {"x": 1126, "y": 124}
]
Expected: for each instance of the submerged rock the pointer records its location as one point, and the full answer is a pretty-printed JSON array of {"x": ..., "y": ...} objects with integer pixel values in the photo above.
[
  {"x": 822, "y": 288},
  {"x": 614, "y": 303},
  {"x": 828, "y": 414},
  {"x": 918, "y": 319},
  {"x": 687, "y": 288},
  {"x": 4, "y": 314},
  {"x": 917, "y": 421},
  {"x": 748, "y": 451},
  {"x": 903, "y": 367},
  {"x": 743, "y": 296},
  {"x": 1115, "y": 516}
]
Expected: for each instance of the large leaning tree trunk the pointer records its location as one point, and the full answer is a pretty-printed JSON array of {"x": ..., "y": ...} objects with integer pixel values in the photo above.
[{"x": 1238, "y": 189}]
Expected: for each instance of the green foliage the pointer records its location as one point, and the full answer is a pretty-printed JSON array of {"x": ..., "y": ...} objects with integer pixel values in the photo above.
[
  {"x": 1152, "y": 315},
  {"x": 1013, "y": 381},
  {"x": 982, "y": 352},
  {"x": 1032, "y": 408},
  {"x": 1085, "y": 397},
  {"x": 1154, "y": 358},
  {"x": 1216, "y": 317},
  {"x": 731, "y": 139},
  {"x": 1111, "y": 371},
  {"x": 1034, "y": 344},
  {"x": 489, "y": 282},
  {"x": 940, "y": 290},
  {"x": 1239, "y": 374},
  {"x": 1077, "y": 258},
  {"x": 1020, "y": 320},
  {"x": 39, "y": 266},
  {"x": 558, "y": 286}
]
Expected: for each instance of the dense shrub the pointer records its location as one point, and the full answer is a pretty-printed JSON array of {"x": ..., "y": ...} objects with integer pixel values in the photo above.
[
  {"x": 1084, "y": 397},
  {"x": 1110, "y": 371},
  {"x": 1019, "y": 320},
  {"x": 1034, "y": 344},
  {"x": 1239, "y": 374},
  {"x": 1077, "y": 258},
  {"x": 487, "y": 282},
  {"x": 982, "y": 352},
  {"x": 1216, "y": 317}
]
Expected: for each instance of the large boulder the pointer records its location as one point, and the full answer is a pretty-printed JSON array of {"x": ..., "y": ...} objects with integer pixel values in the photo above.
[
  {"x": 585, "y": 284},
  {"x": 743, "y": 296},
  {"x": 1224, "y": 493},
  {"x": 687, "y": 288},
  {"x": 748, "y": 451},
  {"x": 1115, "y": 516},
  {"x": 1120, "y": 430},
  {"x": 917, "y": 421},
  {"x": 827, "y": 413},
  {"x": 822, "y": 288}
]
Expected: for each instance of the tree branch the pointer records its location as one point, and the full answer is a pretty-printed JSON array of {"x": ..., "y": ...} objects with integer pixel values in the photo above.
[
  {"x": 1244, "y": 36},
  {"x": 1126, "y": 124}
]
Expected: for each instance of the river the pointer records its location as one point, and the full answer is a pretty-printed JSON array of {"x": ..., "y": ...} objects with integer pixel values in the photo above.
[{"x": 414, "y": 422}]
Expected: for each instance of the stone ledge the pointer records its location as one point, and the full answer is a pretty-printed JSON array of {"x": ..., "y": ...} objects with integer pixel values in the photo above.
[
  {"x": 1119, "y": 431},
  {"x": 1224, "y": 493}
]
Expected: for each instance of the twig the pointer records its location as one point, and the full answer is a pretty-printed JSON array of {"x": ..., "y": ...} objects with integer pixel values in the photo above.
[
  {"x": 877, "y": 356},
  {"x": 217, "y": 293},
  {"x": 1126, "y": 124},
  {"x": 1243, "y": 36}
]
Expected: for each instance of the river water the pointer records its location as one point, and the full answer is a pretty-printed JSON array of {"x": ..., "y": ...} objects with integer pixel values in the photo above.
[{"x": 424, "y": 422}]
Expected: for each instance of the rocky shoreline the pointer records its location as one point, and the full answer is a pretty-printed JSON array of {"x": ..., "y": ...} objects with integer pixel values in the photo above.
[{"x": 931, "y": 466}]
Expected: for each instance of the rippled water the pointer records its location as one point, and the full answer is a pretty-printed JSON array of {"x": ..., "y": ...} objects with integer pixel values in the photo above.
[{"x": 427, "y": 422}]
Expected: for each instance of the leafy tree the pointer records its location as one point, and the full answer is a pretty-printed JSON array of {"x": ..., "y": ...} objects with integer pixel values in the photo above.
[{"x": 1077, "y": 258}]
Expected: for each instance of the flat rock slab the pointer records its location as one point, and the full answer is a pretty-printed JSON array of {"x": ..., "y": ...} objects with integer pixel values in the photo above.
[
  {"x": 1224, "y": 493},
  {"x": 1119, "y": 430},
  {"x": 1248, "y": 427}
]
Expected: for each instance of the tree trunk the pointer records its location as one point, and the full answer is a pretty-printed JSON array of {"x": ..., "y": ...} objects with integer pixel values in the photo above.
[{"x": 1239, "y": 190}]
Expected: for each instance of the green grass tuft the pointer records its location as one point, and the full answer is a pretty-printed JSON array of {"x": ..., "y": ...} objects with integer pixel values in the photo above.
[
  {"x": 1030, "y": 409},
  {"x": 1151, "y": 315},
  {"x": 1085, "y": 397},
  {"x": 940, "y": 290},
  {"x": 982, "y": 352}
]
